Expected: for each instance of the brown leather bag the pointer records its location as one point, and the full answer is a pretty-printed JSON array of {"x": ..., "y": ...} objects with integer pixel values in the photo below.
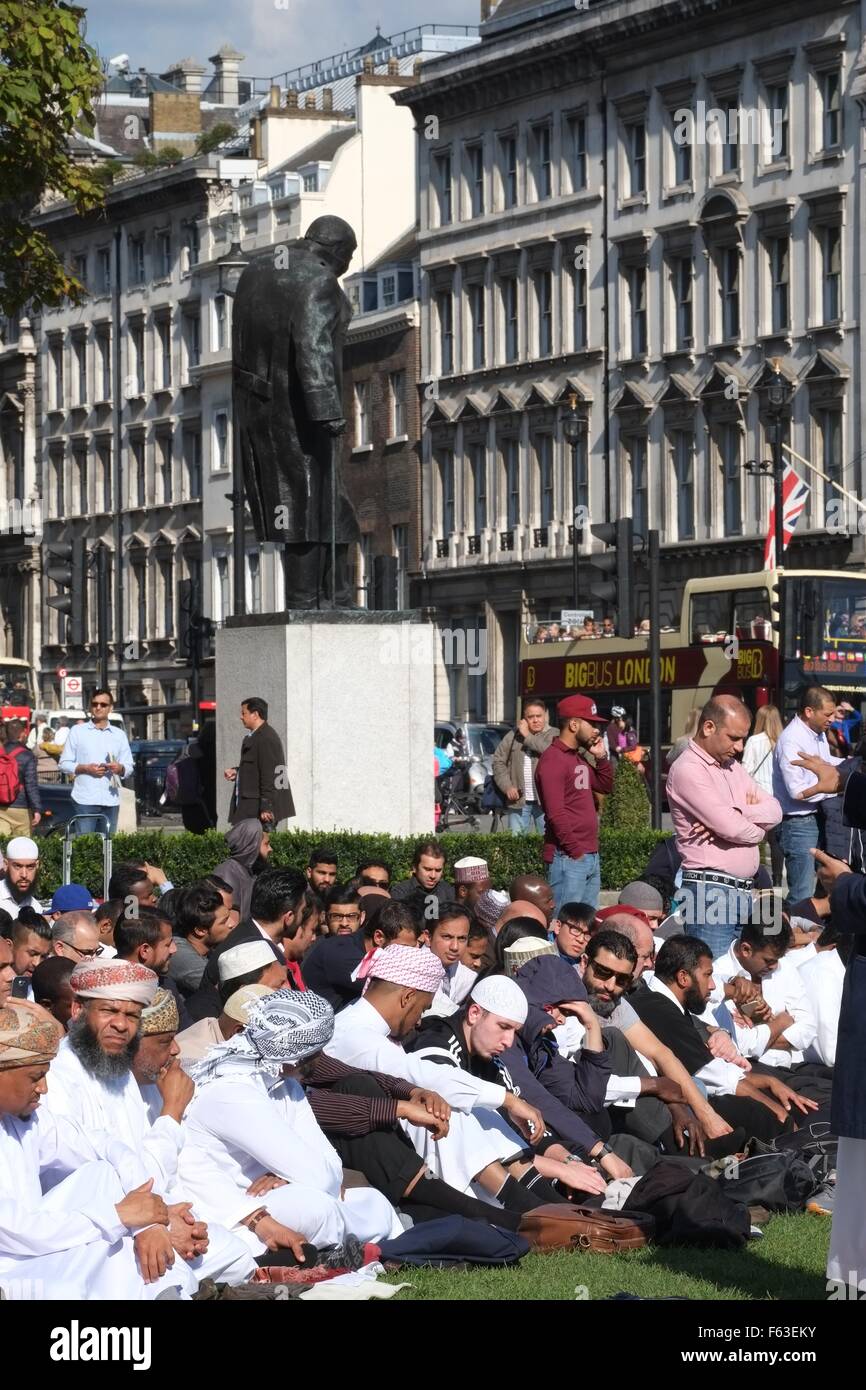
[{"x": 558, "y": 1226}]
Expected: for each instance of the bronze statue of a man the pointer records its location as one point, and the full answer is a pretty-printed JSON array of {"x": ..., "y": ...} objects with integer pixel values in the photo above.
[{"x": 290, "y": 315}]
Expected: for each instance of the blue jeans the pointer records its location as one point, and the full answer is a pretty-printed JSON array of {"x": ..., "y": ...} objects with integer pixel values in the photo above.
[
  {"x": 713, "y": 912},
  {"x": 796, "y": 837},
  {"x": 575, "y": 880},
  {"x": 531, "y": 817},
  {"x": 87, "y": 823}
]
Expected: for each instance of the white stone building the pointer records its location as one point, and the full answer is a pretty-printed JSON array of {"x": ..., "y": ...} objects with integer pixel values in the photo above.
[{"x": 571, "y": 243}]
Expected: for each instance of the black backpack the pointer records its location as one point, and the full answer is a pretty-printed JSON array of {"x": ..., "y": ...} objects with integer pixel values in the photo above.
[
  {"x": 689, "y": 1208},
  {"x": 780, "y": 1181},
  {"x": 815, "y": 1143}
]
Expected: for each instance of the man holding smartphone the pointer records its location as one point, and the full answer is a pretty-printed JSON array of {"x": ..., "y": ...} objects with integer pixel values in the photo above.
[
  {"x": 98, "y": 755},
  {"x": 574, "y": 767}
]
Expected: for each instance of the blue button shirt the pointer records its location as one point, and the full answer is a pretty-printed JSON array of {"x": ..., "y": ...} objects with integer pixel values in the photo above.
[{"x": 88, "y": 744}]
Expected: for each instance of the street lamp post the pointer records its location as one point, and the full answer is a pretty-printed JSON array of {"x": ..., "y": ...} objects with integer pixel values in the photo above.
[
  {"x": 574, "y": 428},
  {"x": 779, "y": 392},
  {"x": 230, "y": 268}
]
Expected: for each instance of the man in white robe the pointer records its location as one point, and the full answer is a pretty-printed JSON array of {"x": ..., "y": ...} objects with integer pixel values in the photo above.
[
  {"x": 251, "y": 1120},
  {"x": 95, "y": 1083},
  {"x": 401, "y": 984},
  {"x": 77, "y": 1242}
]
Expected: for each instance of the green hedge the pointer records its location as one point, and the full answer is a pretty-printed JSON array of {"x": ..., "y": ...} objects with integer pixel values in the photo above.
[{"x": 185, "y": 857}]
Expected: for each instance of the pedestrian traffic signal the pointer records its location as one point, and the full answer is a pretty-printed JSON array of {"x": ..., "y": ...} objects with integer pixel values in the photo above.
[
  {"x": 613, "y": 583},
  {"x": 67, "y": 561}
]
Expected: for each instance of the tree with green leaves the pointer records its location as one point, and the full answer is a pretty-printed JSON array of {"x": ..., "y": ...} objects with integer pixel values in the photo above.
[{"x": 50, "y": 79}]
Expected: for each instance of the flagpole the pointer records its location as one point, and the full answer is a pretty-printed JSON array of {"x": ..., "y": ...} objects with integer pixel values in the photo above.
[{"x": 821, "y": 474}]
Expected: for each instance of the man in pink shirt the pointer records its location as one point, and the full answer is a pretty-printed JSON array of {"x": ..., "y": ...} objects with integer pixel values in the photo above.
[{"x": 720, "y": 817}]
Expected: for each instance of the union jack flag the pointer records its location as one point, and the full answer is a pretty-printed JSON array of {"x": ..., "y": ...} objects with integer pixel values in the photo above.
[{"x": 794, "y": 494}]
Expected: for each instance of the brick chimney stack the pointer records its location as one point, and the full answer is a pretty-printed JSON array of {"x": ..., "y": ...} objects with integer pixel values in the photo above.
[
  {"x": 327, "y": 98},
  {"x": 226, "y": 63}
]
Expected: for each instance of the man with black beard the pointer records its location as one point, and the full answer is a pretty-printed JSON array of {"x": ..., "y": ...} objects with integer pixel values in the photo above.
[{"x": 683, "y": 981}]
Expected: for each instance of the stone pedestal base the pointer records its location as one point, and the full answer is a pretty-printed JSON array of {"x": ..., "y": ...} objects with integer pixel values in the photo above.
[{"x": 351, "y": 696}]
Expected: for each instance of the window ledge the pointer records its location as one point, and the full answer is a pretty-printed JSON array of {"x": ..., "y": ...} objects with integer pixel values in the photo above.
[
  {"x": 362, "y": 449},
  {"x": 778, "y": 166},
  {"x": 107, "y": 401},
  {"x": 827, "y": 156},
  {"x": 221, "y": 472},
  {"x": 397, "y": 439},
  {"x": 163, "y": 390},
  {"x": 678, "y": 190},
  {"x": 635, "y": 200},
  {"x": 783, "y": 335}
]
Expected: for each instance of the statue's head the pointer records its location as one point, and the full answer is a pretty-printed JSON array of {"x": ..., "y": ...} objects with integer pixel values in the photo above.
[{"x": 336, "y": 239}]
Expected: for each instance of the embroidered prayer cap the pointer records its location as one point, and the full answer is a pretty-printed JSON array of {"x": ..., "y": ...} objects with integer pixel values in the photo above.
[
  {"x": 503, "y": 997},
  {"x": 527, "y": 948},
  {"x": 244, "y": 959},
  {"x": 29, "y": 1036},
  {"x": 471, "y": 870},
  {"x": 114, "y": 979},
  {"x": 238, "y": 1006},
  {"x": 415, "y": 967},
  {"x": 287, "y": 1025},
  {"x": 490, "y": 906},
  {"x": 22, "y": 848},
  {"x": 161, "y": 1016},
  {"x": 550, "y": 980}
]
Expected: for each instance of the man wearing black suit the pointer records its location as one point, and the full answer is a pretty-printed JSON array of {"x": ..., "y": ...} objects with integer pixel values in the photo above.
[
  {"x": 679, "y": 990},
  {"x": 275, "y": 902},
  {"x": 261, "y": 790}
]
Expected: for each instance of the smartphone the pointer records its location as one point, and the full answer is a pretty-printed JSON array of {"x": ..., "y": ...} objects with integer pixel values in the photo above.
[{"x": 20, "y": 986}]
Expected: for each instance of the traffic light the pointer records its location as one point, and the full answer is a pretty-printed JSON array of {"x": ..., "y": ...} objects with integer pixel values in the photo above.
[
  {"x": 67, "y": 561},
  {"x": 776, "y": 605},
  {"x": 617, "y": 590},
  {"x": 195, "y": 633}
]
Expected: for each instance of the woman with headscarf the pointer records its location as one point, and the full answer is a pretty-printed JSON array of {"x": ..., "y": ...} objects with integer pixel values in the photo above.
[
  {"x": 250, "y": 1119},
  {"x": 249, "y": 846}
]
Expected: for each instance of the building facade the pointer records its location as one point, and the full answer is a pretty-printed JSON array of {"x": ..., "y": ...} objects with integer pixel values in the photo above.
[{"x": 636, "y": 207}]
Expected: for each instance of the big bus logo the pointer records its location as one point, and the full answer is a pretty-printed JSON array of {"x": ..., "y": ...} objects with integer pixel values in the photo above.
[
  {"x": 750, "y": 663},
  {"x": 530, "y": 678}
]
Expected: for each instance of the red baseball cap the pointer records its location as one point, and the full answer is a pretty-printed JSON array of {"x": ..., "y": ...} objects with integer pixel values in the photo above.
[
  {"x": 579, "y": 707},
  {"x": 621, "y": 909}
]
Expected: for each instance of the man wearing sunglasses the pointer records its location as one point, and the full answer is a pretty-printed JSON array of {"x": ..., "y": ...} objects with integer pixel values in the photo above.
[
  {"x": 575, "y": 766},
  {"x": 97, "y": 755}
]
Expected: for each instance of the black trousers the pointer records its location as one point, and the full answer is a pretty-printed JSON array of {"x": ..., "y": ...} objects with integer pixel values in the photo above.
[
  {"x": 810, "y": 1079},
  {"x": 756, "y": 1121}
]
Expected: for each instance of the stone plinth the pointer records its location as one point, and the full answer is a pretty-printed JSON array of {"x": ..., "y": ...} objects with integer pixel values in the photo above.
[{"x": 351, "y": 695}]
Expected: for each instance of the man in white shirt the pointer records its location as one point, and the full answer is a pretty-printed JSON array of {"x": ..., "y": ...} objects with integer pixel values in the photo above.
[
  {"x": 402, "y": 981},
  {"x": 449, "y": 935},
  {"x": 19, "y": 875},
  {"x": 798, "y": 832},
  {"x": 97, "y": 755},
  {"x": 777, "y": 1027},
  {"x": 823, "y": 978}
]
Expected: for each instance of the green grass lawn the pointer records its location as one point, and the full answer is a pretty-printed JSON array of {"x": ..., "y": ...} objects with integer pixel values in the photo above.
[{"x": 787, "y": 1262}]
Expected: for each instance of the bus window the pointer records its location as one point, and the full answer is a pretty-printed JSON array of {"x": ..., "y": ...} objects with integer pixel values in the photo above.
[
  {"x": 710, "y": 617},
  {"x": 752, "y": 615}
]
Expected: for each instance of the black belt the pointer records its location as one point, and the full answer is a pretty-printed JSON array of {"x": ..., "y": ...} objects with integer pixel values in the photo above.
[
  {"x": 800, "y": 815},
  {"x": 718, "y": 876}
]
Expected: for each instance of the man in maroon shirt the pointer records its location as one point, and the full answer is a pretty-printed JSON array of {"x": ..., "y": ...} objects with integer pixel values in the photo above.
[{"x": 565, "y": 780}]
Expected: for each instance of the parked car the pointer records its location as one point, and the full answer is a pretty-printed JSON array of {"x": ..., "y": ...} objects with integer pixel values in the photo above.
[
  {"x": 151, "y": 759},
  {"x": 483, "y": 740}
]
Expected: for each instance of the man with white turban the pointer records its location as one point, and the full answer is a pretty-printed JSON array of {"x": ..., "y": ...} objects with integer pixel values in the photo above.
[
  {"x": 77, "y": 1241},
  {"x": 251, "y": 1120},
  {"x": 400, "y": 986}
]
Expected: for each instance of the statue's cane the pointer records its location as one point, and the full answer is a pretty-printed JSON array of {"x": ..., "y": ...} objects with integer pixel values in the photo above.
[{"x": 334, "y": 443}]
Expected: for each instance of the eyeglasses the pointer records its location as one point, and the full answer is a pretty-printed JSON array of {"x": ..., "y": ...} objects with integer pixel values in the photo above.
[
  {"x": 100, "y": 704},
  {"x": 576, "y": 928},
  {"x": 604, "y": 974},
  {"x": 85, "y": 955},
  {"x": 375, "y": 882},
  {"x": 344, "y": 916}
]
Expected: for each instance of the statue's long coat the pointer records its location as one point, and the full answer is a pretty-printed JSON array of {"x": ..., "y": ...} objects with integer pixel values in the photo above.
[{"x": 287, "y": 349}]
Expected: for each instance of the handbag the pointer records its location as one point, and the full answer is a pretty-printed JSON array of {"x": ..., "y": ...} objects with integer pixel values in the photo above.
[{"x": 566, "y": 1227}]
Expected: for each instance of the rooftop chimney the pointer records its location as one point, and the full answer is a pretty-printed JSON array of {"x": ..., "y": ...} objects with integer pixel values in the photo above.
[
  {"x": 310, "y": 100},
  {"x": 186, "y": 75},
  {"x": 291, "y": 97},
  {"x": 393, "y": 67},
  {"x": 274, "y": 95},
  {"x": 225, "y": 64},
  {"x": 487, "y": 6},
  {"x": 327, "y": 98}
]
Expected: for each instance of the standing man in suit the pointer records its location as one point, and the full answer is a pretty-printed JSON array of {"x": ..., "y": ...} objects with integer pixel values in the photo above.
[{"x": 261, "y": 790}]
